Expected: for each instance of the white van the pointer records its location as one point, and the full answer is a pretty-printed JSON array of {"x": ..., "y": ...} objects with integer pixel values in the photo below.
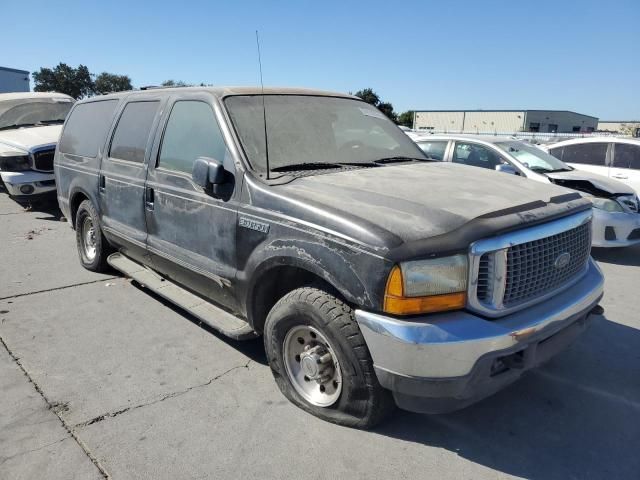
[{"x": 612, "y": 157}]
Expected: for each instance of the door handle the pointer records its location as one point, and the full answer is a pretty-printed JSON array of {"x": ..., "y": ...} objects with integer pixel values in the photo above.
[
  {"x": 148, "y": 198},
  {"x": 102, "y": 183},
  {"x": 620, "y": 176}
]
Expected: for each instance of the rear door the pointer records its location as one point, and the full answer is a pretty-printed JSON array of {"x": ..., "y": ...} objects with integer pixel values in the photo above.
[
  {"x": 591, "y": 156},
  {"x": 123, "y": 174},
  {"x": 192, "y": 232},
  {"x": 626, "y": 164}
]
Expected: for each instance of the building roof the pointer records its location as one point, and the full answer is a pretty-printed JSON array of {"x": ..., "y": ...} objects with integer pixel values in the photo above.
[
  {"x": 13, "y": 70},
  {"x": 512, "y": 111},
  {"x": 619, "y": 121}
]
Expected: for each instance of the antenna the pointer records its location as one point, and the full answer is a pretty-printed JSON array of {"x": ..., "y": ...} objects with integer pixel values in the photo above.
[{"x": 264, "y": 110}]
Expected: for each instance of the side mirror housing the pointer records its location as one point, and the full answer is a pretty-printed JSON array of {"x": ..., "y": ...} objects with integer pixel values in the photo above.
[
  {"x": 506, "y": 168},
  {"x": 207, "y": 172}
]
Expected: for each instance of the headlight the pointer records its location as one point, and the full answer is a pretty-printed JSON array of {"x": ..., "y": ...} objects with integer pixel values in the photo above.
[
  {"x": 14, "y": 163},
  {"x": 606, "y": 204},
  {"x": 424, "y": 286}
]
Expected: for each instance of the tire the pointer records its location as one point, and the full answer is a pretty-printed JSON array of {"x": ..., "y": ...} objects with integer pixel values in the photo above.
[
  {"x": 87, "y": 217},
  {"x": 361, "y": 401}
]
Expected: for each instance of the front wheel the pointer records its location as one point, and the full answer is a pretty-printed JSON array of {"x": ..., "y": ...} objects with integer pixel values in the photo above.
[
  {"x": 320, "y": 360},
  {"x": 93, "y": 248}
]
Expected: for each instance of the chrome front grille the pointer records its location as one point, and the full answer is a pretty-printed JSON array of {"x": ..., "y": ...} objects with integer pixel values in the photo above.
[
  {"x": 43, "y": 160},
  {"x": 517, "y": 269},
  {"x": 532, "y": 268}
]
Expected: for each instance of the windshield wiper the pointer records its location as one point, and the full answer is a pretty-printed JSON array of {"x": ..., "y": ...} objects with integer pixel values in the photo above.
[
  {"x": 306, "y": 166},
  {"x": 541, "y": 170},
  {"x": 18, "y": 125},
  {"x": 50, "y": 122},
  {"x": 564, "y": 169},
  {"x": 401, "y": 159}
]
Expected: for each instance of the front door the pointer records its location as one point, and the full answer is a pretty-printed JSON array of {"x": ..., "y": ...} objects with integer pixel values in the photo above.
[
  {"x": 122, "y": 176},
  {"x": 191, "y": 232},
  {"x": 626, "y": 164}
]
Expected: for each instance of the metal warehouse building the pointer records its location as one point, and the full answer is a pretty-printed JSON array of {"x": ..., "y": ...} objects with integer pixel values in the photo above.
[
  {"x": 503, "y": 121},
  {"x": 12, "y": 80}
]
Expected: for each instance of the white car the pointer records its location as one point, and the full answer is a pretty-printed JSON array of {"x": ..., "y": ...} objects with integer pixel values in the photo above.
[
  {"x": 613, "y": 157},
  {"x": 30, "y": 124},
  {"x": 616, "y": 217}
]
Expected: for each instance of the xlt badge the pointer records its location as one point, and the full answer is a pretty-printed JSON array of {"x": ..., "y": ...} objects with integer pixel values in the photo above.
[{"x": 253, "y": 225}]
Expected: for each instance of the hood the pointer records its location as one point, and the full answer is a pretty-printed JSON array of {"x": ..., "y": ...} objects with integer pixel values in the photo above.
[
  {"x": 395, "y": 205},
  {"x": 24, "y": 139},
  {"x": 592, "y": 183}
]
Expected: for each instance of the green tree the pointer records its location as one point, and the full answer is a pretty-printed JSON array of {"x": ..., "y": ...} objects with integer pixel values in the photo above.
[
  {"x": 110, "y": 82},
  {"x": 406, "y": 118},
  {"x": 371, "y": 97},
  {"x": 75, "y": 82},
  {"x": 174, "y": 83}
]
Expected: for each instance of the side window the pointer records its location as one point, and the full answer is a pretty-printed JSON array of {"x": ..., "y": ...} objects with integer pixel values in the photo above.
[
  {"x": 192, "y": 131},
  {"x": 87, "y": 127},
  {"x": 586, "y": 154},
  {"x": 132, "y": 133},
  {"x": 557, "y": 152},
  {"x": 476, "y": 155},
  {"x": 627, "y": 156},
  {"x": 434, "y": 150}
]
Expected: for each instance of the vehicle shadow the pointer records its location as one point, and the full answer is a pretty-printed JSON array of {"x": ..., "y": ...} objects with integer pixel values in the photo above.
[
  {"x": 254, "y": 349},
  {"x": 618, "y": 256},
  {"x": 576, "y": 417}
]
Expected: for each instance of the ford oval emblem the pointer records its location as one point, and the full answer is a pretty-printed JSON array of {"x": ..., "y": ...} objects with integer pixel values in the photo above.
[{"x": 562, "y": 260}]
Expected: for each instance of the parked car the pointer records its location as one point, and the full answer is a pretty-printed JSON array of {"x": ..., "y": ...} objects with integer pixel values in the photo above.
[
  {"x": 373, "y": 274},
  {"x": 30, "y": 124},
  {"x": 616, "y": 218},
  {"x": 613, "y": 157}
]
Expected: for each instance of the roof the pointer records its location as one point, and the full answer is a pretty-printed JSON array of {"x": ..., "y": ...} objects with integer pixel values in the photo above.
[
  {"x": 228, "y": 91},
  {"x": 608, "y": 139},
  {"x": 619, "y": 121},
  {"x": 25, "y": 95},
  {"x": 504, "y": 111},
  {"x": 13, "y": 70}
]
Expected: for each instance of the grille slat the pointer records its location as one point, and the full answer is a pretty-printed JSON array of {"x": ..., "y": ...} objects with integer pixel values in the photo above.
[
  {"x": 531, "y": 268},
  {"x": 43, "y": 160}
]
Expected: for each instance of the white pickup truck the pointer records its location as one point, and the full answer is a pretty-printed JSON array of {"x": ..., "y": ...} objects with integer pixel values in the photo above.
[{"x": 30, "y": 124}]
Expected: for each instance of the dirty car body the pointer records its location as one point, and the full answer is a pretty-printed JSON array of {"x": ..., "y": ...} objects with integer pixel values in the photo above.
[
  {"x": 30, "y": 124},
  {"x": 331, "y": 194}
]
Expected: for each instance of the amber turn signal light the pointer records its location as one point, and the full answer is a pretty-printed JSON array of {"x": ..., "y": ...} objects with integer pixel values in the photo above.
[{"x": 397, "y": 304}]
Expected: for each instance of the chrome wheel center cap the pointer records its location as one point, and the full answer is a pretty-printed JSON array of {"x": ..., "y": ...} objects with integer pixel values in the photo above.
[{"x": 316, "y": 363}]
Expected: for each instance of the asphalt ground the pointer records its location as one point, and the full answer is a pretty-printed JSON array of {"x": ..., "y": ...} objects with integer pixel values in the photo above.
[{"x": 101, "y": 379}]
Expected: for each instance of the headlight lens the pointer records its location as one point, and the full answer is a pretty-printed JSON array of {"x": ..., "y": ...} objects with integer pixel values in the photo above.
[
  {"x": 606, "y": 204},
  {"x": 424, "y": 286},
  {"x": 14, "y": 163}
]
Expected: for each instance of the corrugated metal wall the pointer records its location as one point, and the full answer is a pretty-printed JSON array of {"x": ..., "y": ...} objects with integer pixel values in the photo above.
[
  {"x": 11, "y": 81},
  {"x": 439, "y": 121}
]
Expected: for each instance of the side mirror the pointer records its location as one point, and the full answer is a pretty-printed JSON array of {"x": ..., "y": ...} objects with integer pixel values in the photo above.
[
  {"x": 506, "y": 168},
  {"x": 207, "y": 172}
]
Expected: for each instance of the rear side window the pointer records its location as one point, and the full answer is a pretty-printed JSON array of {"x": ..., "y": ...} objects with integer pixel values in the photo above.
[
  {"x": 433, "y": 150},
  {"x": 586, "y": 154},
  {"x": 627, "y": 156},
  {"x": 87, "y": 128},
  {"x": 192, "y": 131},
  {"x": 133, "y": 130},
  {"x": 476, "y": 155}
]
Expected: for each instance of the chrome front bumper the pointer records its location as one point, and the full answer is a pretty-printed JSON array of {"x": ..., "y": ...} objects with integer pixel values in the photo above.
[
  {"x": 455, "y": 355},
  {"x": 39, "y": 183}
]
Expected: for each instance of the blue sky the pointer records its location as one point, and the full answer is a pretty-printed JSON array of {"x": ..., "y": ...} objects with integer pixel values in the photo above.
[{"x": 566, "y": 55}]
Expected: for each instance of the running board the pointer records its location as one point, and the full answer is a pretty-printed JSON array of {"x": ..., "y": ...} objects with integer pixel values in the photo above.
[{"x": 215, "y": 317}]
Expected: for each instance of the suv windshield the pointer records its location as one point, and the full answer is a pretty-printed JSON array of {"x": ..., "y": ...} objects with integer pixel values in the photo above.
[
  {"x": 534, "y": 158},
  {"x": 316, "y": 131},
  {"x": 26, "y": 112}
]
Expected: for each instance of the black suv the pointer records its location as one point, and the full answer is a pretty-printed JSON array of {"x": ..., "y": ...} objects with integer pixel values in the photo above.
[{"x": 376, "y": 275}]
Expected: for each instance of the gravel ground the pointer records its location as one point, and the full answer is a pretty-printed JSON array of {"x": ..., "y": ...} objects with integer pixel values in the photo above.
[{"x": 101, "y": 379}]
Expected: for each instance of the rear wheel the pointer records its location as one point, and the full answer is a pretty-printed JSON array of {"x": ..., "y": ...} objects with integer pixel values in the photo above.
[
  {"x": 93, "y": 248},
  {"x": 320, "y": 360}
]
